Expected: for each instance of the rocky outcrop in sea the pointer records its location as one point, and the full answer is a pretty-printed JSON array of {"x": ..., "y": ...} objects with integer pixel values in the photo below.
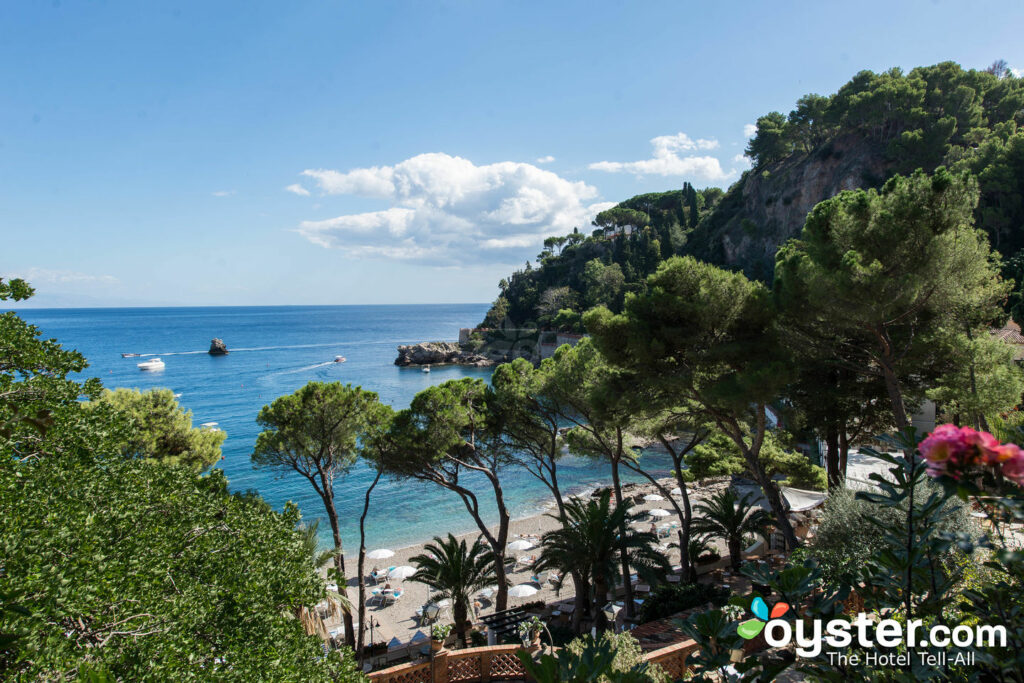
[
  {"x": 218, "y": 348},
  {"x": 439, "y": 353}
]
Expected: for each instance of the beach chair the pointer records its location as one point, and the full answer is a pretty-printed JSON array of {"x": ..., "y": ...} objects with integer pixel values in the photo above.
[{"x": 392, "y": 597}]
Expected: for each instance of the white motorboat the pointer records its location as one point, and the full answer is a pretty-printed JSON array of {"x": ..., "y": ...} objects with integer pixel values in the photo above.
[
  {"x": 151, "y": 364},
  {"x": 339, "y": 359},
  {"x": 426, "y": 368},
  {"x": 212, "y": 426}
]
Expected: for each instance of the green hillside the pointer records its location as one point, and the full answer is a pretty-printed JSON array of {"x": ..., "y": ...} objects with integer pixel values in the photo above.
[{"x": 875, "y": 126}]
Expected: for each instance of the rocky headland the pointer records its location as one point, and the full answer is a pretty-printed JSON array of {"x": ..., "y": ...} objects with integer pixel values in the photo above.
[{"x": 439, "y": 353}]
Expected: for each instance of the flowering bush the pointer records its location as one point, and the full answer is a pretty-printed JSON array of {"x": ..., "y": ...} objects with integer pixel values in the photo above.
[{"x": 955, "y": 451}]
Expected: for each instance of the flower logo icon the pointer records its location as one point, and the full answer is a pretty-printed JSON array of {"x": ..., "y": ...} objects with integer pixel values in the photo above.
[{"x": 752, "y": 627}]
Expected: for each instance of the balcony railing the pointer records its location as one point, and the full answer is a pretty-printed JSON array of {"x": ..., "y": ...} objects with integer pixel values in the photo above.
[{"x": 500, "y": 663}]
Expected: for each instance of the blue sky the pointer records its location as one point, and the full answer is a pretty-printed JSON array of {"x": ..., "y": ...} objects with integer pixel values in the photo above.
[{"x": 146, "y": 148}]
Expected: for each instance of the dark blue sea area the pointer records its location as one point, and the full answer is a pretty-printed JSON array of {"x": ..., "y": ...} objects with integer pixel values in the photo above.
[{"x": 274, "y": 350}]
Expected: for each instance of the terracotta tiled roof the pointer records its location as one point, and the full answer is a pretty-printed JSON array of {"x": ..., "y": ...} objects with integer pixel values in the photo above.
[{"x": 1010, "y": 333}]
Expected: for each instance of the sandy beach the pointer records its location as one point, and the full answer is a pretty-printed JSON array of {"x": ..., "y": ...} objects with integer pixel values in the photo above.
[{"x": 398, "y": 620}]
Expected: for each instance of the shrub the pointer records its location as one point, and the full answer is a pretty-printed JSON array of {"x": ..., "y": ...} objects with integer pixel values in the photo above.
[
  {"x": 845, "y": 538},
  {"x": 628, "y": 656},
  {"x": 671, "y": 599}
]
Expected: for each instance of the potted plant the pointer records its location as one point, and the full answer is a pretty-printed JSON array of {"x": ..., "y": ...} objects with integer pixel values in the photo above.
[
  {"x": 438, "y": 634},
  {"x": 529, "y": 632}
]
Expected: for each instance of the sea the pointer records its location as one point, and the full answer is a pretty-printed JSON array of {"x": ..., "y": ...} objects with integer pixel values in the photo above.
[{"x": 274, "y": 350}]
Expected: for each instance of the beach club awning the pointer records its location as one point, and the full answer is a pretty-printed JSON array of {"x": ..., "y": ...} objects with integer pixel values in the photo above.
[
  {"x": 418, "y": 637},
  {"x": 394, "y": 643},
  {"x": 380, "y": 554},
  {"x": 402, "y": 572},
  {"x": 795, "y": 500}
]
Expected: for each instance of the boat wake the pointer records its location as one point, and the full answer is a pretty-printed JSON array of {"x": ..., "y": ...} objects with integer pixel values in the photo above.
[{"x": 306, "y": 368}]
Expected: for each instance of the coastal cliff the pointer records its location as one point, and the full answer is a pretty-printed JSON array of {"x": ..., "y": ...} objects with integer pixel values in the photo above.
[
  {"x": 770, "y": 204},
  {"x": 439, "y": 353}
]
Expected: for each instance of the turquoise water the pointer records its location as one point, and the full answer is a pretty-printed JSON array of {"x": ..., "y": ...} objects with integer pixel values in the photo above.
[{"x": 274, "y": 351}]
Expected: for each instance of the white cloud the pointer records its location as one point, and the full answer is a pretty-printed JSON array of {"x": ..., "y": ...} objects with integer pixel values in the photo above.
[
  {"x": 47, "y": 276},
  {"x": 1016, "y": 72},
  {"x": 295, "y": 188},
  {"x": 667, "y": 158},
  {"x": 446, "y": 210},
  {"x": 223, "y": 193},
  {"x": 545, "y": 160},
  {"x": 749, "y": 130}
]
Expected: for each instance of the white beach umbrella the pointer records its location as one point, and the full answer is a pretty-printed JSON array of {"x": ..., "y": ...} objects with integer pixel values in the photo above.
[
  {"x": 380, "y": 554},
  {"x": 521, "y": 544},
  {"x": 658, "y": 512},
  {"x": 400, "y": 573},
  {"x": 677, "y": 491},
  {"x": 488, "y": 592},
  {"x": 523, "y": 590},
  {"x": 653, "y": 497}
]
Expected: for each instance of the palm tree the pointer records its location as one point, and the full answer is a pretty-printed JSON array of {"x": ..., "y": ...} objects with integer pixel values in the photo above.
[
  {"x": 589, "y": 543},
  {"x": 455, "y": 571},
  {"x": 730, "y": 518},
  {"x": 337, "y": 602}
]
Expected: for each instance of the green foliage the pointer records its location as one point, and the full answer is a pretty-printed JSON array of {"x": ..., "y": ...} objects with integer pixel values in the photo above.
[
  {"x": 719, "y": 456},
  {"x": 986, "y": 382},
  {"x": 846, "y": 538},
  {"x": 126, "y": 575},
  {"x": 894, "y": 276},
  {"x": 660, "y": 224},
  {"x": 619, "y": 217},
  {"x": 609, "y": 659},
  {"x": 669, "y": 599},
  {"x": 40, "y": 415},
  {"x": 612, "y": 658},
  {"x": 160, "y": 431},
  {"x": 772, "y": 141}
]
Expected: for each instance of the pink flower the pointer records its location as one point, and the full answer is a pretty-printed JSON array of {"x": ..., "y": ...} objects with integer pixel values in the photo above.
[
  {"x": 1013, "y": 469},
  {"x": 950, "y": 451}
]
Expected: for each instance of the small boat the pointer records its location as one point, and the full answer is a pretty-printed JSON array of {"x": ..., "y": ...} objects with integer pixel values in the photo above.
[
  {"x": 426, "y": 368},
  {"x": 154, "y": 364},
  {"x": 130, "y": 355},
  {"x": 339, "y": 359},
  {"x": 213, "y": 426},
  {"x": 177, "y": 395}
]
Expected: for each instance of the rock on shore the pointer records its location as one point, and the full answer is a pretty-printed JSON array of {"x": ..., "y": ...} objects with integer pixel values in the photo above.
[
  {"x": 439, "y": 353},
  {"x": 218, "y": 348}
]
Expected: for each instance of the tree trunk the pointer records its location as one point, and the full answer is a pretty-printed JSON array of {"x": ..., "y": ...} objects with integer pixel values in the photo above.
[
  {"x": 735, "y": 553},
  {"x": 598, "y": 617},
  {"x": 774, "y": 498},
  {"x": 339, "y": 563},
  {"x": 582, "y": 602},
  {"x": 362, "y": 568},
  {"x": 623, "y": 557},
  {"x": 459, "y": 612},
  {"x": 844, "y": 450},
  {"x": 751, "y": 454},
  {"x": 832, "y": 456}
]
